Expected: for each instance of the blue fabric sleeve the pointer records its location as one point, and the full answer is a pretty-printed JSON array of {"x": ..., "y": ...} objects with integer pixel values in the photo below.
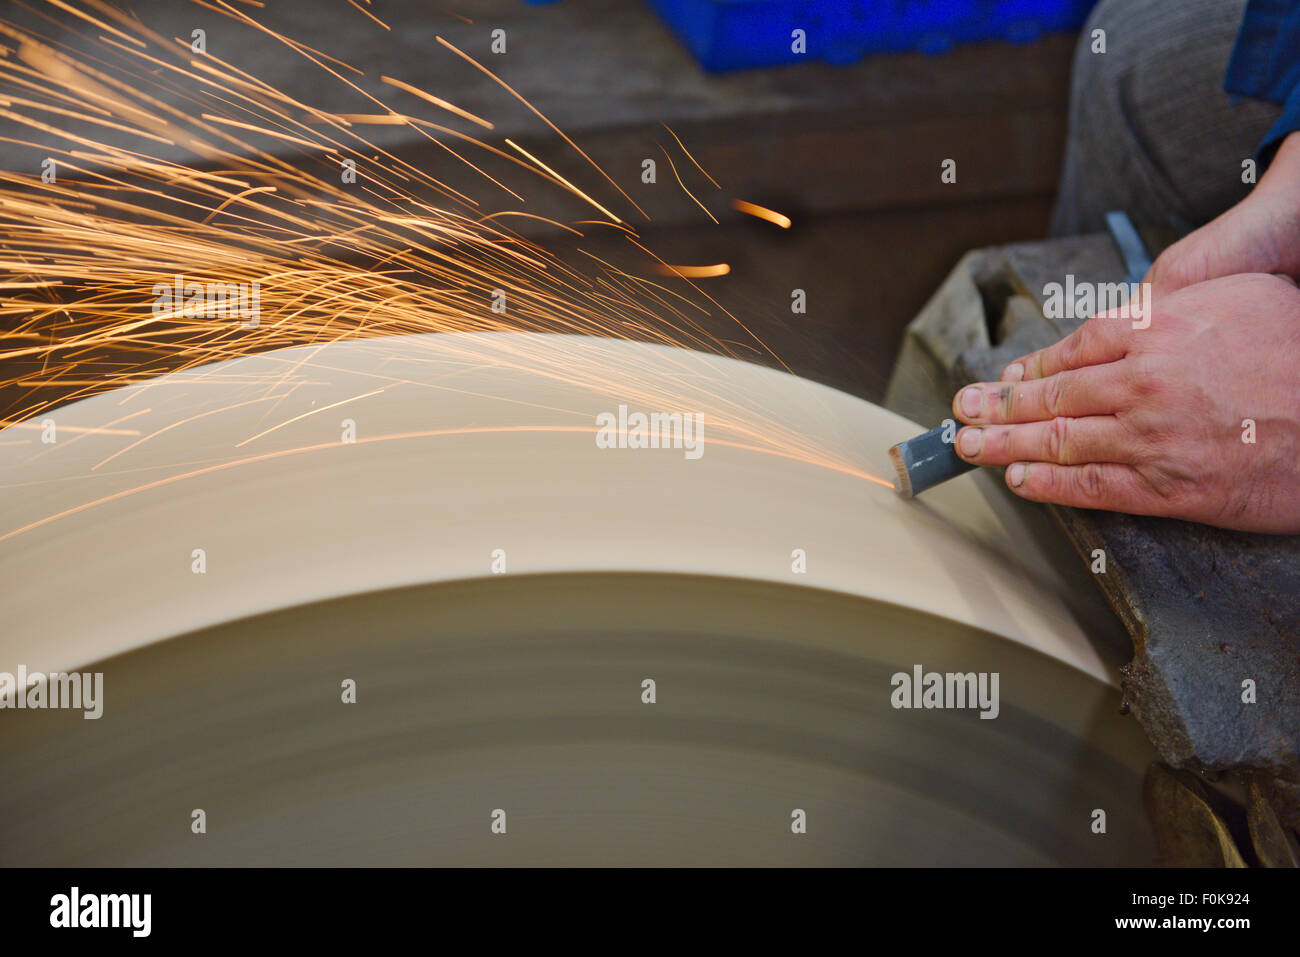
[{"x": 1265, "y": 64}]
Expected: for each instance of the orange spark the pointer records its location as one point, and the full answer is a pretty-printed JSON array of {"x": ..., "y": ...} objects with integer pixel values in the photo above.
[
  {"x": 762, "y": 212},
  {"x": 694, "y": 272},
  {"x": 437, "y": 101},
  {"x": 396, "y": 252}
]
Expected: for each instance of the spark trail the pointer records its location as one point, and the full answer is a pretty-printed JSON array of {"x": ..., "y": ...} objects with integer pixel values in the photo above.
[{"x": 164, "y": 166}]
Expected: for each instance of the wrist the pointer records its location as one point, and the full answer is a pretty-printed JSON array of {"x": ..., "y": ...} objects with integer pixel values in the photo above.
[{"x": 1277, "y": 197}]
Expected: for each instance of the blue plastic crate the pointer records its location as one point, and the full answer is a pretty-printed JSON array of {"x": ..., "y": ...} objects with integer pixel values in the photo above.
[{"x": 734, "y": 34}]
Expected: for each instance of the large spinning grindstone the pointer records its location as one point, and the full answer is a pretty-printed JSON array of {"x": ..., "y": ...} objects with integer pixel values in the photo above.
[{"x": 500, "y": 588}]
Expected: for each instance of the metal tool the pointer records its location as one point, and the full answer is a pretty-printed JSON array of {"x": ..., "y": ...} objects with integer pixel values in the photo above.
[
  {"x": 927, "y": 460},
  {"x": 1136, "y": 258}
]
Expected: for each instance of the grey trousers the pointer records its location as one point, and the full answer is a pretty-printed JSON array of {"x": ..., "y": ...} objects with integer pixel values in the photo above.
[{"x": 1152, "y": 131}]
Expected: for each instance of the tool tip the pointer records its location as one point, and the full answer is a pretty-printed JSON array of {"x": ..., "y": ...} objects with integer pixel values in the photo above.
[{"x": 904, "y": 484}]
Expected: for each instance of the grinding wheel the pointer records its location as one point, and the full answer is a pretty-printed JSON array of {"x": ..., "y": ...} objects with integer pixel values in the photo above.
[{"x": 431, "y": 518}]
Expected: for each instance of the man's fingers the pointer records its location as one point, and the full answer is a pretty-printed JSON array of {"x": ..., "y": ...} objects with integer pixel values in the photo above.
[
  {"x": 1099, "y": 340},
  {"x": 1104, "y": 485},
  {"x": 1100, "y": 390},
  {"x": 1064, "y": 441}
]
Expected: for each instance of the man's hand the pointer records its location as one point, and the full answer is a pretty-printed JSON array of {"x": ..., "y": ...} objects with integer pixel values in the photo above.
[
  {"x": 1259, "y": 234},
  {"x": 1195, "y": 417}
]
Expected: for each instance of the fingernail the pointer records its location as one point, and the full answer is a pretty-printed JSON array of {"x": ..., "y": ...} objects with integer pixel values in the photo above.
[
  {"x": 969, "y": 441},
  {"x": 1013, "y": 373},
  {"x": 1016, "y": 475},
  {"x": 972, "y": 400}
]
